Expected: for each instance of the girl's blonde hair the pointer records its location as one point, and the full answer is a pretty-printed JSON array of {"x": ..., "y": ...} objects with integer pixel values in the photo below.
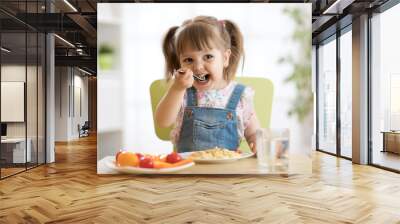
[{"x": 203, "y": 33}]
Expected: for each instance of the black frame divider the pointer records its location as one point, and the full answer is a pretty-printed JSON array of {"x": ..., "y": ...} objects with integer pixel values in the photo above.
[
  {"x": 37, "y": 91},
  {"x": 26, "y": 88},
  {"x": 317, "y": 97},
  {"x": 338, "y": 124},
  {"x": 369, "y": 77}
]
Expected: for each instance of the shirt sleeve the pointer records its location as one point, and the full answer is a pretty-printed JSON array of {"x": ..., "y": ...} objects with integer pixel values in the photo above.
[
  {"x": 174, "y": 134},
  {"x": 247, "y": 101}
]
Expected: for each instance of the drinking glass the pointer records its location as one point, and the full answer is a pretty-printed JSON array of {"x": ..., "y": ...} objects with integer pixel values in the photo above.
[{"x": 272, "y": 147}]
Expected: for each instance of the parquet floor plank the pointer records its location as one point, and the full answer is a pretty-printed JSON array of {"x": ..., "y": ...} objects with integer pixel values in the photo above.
[{"x": 70, "y": 191}]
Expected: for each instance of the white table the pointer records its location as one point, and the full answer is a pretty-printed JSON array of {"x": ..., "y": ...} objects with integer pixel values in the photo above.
[
  {"x": 19, "y": 155},
  {"x": 298, "y": 164}
]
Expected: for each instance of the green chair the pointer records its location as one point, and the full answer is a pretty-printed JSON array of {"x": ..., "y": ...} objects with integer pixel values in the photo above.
[{"x": 262, "y": 102}]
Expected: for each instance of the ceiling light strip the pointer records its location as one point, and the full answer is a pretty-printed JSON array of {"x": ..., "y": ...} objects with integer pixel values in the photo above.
[
  {"x": 70, "y": 5},
  {"x": 64, "y": 40},
  {"x": 337, "y": 7},
  {"x": 331, "y": 7},
  {"x": 86, "y": 72},
  {"x": 5, "y": 49}
]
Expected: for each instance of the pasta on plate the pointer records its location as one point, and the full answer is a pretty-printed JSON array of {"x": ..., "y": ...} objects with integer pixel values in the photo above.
[{"x": 216, "y": 153}]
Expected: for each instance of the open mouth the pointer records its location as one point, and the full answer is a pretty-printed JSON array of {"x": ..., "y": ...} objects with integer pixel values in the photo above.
[{"x": 202, "y": 78}]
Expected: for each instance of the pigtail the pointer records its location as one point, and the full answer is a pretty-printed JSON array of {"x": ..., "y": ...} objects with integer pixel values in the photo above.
[
  {"x": 236, "y": 39},
  {"x": 171, "y": 58}
]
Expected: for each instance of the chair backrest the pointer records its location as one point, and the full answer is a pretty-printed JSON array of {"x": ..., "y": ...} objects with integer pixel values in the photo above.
[
  {"x": 157, "y": 91},
  {"x": 262, "y": 102},
  {"x": 86, "y": 125}
]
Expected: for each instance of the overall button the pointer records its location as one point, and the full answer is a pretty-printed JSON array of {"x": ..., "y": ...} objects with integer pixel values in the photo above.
[
  {"x": 189, "y": 113},
  {"x": 229, "y": 116}
]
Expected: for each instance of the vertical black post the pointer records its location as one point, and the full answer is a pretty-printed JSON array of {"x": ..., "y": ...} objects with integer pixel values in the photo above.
[
  {"x": 26, "y": 86},
  {"x": 369, "y": 90},
  {"x": 37, "y": 89},
  {"x": 45, "y": 88},
  {"x": 338, "y": 73},
  {"x": 317, "y": 96}
]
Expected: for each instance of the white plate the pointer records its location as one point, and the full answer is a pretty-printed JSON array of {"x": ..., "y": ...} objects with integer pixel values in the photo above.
[
  {"x": 228, "y": 160},
  {"x": 137, "y": 170}
]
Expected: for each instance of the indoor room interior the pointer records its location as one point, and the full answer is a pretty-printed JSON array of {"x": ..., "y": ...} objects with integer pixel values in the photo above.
[{"x": 49, "y": 108}]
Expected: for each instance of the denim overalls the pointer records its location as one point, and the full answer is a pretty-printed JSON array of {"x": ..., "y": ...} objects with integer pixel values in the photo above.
[{"x": 205, "y": 127}]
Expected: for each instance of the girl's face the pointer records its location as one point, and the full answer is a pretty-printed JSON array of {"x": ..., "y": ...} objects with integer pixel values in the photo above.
[{"x": 206, "y": 63}]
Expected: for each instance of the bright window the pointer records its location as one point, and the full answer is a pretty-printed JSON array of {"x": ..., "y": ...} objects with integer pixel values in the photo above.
[
  {"x": 327, "y": 96},
  {"x": 345, "y": 94},
  {"x": 385, "y": 86}
]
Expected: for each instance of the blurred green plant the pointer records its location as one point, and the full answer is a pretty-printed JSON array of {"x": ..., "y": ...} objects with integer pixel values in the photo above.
[
  {"x": 106, "y": 49},
  {"x": 301, "y": 64},
  {"x": 106, "y": 56}
]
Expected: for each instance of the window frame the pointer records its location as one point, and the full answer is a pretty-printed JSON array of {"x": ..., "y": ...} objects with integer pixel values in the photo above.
[{"x": 333, "y": 37}]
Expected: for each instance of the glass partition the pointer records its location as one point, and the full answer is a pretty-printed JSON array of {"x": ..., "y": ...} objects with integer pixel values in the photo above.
[
  {"x": 327, "y": 96},
  {"x": 32, "y": 88},
  {"x": 13, "y": 108},
  {"x": 346, "y": 94},
  {"x": 22, "y": 67},
  {"x": 41, "y": 91},
  {"x": 31, "y": 100}
]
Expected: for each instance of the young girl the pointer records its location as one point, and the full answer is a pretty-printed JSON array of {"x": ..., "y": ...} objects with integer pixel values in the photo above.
[{"x": 208, "y": 109}]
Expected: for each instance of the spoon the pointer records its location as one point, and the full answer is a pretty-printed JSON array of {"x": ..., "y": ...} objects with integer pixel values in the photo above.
[
  {"x": 199, "y": 78},
  {"x": 195, "y": 76}
]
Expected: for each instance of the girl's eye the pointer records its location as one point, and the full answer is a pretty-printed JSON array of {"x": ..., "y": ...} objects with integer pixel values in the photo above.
[
  {"x": 187, "y": 60},
  {"x": 209, "y": 56}
]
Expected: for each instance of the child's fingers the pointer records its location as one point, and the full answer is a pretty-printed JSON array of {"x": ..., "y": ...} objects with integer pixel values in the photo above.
[
  {"x": 189, "y": 74},
  {"x": 184, "y": 74},
  {"x": 183, "y": 71},
  {"x": 253, "y": 147},
  {"x": 184, "y": 78},
  {"x": 188, "y": 79}
]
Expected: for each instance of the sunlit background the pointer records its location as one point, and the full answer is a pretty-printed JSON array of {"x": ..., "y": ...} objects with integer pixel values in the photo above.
[{"x": 130, "y": 37}]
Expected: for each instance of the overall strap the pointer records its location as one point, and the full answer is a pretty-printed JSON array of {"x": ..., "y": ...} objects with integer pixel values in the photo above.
[
  {"x": 235, "y": 97},
  {"x": 191, "y": 97}
]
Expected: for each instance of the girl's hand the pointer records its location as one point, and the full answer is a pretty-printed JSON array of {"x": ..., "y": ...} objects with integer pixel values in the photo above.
[
  {"x": 183, "y": 79},
  {"x": 253, "y": 147}
]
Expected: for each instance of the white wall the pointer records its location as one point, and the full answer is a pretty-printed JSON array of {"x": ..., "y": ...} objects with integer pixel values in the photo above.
[
  {"x": 79, "y": 117},
  {"x": 68, "y": 82},
  {"x": 61, "y": 103},
  {"x": 266, "y": 31},
  {"x": 33, "y": 126},
  {"x": 14, "y": 73}
]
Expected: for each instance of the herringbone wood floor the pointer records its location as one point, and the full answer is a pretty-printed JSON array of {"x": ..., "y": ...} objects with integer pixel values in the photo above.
[{"x": 70, "y": 191}]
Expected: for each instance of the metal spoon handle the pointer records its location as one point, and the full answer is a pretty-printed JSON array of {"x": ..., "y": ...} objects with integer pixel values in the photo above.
[
  {"x": 199, "y": 78},
  {"x": 195, "y": 76}
]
